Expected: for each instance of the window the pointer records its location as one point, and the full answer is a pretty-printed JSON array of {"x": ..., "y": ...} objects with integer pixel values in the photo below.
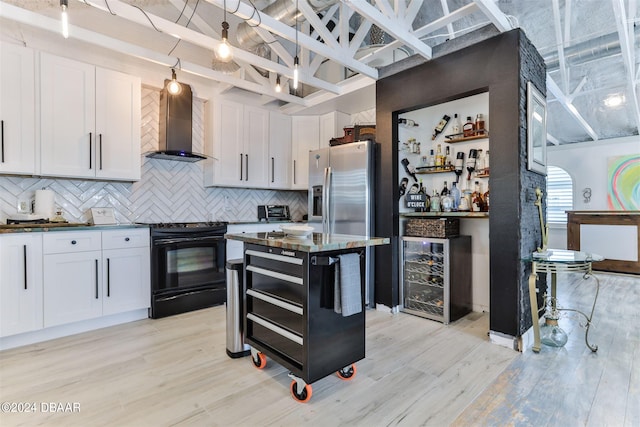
[{"x": 559, "y": 195}]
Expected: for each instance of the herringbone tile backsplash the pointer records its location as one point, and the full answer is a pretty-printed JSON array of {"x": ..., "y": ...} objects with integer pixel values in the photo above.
[{"x": 169, "y": 191}]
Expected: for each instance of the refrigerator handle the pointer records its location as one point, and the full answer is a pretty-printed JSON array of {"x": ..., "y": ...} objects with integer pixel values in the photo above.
[{"x": 326, "y": 220}]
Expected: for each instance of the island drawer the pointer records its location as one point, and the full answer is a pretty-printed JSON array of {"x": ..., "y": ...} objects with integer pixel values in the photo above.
[
  {"x": 290, "y": 265},
  {"x": 277, "y": 338},
  {"x": 277, "y": 310}
]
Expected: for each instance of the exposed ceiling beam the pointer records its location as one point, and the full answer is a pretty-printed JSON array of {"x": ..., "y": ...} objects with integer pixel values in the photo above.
[
  {"x": 564, "y": 76},
  {"x": 571, "y": 109},
  {"x": 133, "y": 14},
  {"x": 320, "y": 28},
  {"x": 628, "y": 55},
  {"x": 426, "y": 29},
  {"x": 49, "y": 24},
  {"x": 342, "y": 56},
  {"x": 393, "y": 27},
  {"x": 445, "y": 12},
  {"x": 493, "y": 12}
]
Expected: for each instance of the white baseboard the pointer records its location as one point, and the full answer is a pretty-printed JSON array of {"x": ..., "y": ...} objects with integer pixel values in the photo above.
[
  {"x": 71, "y": 329},
  {"x": 504, "y": 340},
  {"x": 387, "y": 309}
]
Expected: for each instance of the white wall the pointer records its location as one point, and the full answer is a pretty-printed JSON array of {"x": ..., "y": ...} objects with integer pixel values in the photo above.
[{"x": 587, "y": 164}]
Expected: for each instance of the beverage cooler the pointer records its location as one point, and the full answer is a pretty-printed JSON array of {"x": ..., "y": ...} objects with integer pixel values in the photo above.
[{"x": 436, "y": 277}]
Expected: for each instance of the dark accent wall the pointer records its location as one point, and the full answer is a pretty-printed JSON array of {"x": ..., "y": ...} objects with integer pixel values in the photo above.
[{"x": 501, "y": 65}]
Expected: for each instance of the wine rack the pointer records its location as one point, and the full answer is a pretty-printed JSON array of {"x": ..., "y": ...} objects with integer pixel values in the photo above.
[{"x": 436, "y": 277}]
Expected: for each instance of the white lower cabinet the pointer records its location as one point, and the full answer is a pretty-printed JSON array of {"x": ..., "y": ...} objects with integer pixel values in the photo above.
[
  {"x": 126, "y": 284},
  {"x": 20, "y": 283},
  {"x": 88, "y": 274},
  {"x": 72, "y": 287}
]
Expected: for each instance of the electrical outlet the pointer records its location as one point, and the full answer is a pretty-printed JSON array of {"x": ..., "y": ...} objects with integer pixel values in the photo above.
[
  {"x": 227, "y": 206},
  {"x": 23, "y": 206}
]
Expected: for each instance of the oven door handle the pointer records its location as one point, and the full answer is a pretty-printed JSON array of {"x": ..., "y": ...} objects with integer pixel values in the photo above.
[{"x": 185, "y": 239}]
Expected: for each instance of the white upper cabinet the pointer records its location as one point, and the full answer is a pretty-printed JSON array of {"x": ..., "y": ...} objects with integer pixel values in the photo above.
[
  {"x": 238, "y": 141},
  {"x": 279, "y": 151},
  {"x": 118, "y": 117},
  {"x": 17, "y": 109},
  {"x": 90, "y": 121},
  {"x": 332, "y": 126},
  {"x": 305, "y": 135}
]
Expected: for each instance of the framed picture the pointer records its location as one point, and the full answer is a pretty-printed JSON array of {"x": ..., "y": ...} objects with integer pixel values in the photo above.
[
  {"x": 103, "y": 216},
  {"x": 536, "y": 130}
]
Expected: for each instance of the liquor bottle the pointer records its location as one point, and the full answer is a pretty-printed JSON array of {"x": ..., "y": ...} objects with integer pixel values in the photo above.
[
  {"x": 487, "y": 169},
  {"x": 465, "y": 200},
  {"x": 446, "y": 201},
  {"x": 485, "y": 199},
  {"x": 455, "y": 195},
  {"x": 468, "y": 128},
  {"x": 479, "y": 125},
  {"x": 447, "y": 159},
  {"x": 459, "y": 165},
  {"x": 456, "y": 126},
  {"x": 440, "y": 126},
  {"x": 421, "y": 190},
  {"x": 445, "y": 190},
  {"x": 407, "y": 122},
  {"x": 409, "y": 169},
  {"x": 435, "y": 201},
  {"x": 439, "y": 158},
  {"x": 476, "y": 199},
  {"x": 432, "y": 160},
  {"x": 480, "y": 163},
  {"x": 471, "y": 162}
]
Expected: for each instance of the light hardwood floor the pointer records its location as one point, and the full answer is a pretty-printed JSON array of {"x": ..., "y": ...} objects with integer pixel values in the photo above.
[{"x": 175, "y": 371}]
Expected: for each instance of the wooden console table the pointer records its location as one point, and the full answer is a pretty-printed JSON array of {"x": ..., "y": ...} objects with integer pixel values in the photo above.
[{"x": 604, "y": 231}]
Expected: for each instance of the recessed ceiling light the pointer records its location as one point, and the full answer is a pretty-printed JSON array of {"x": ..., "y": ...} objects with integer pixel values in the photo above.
[{"x": 614, "y": 101}]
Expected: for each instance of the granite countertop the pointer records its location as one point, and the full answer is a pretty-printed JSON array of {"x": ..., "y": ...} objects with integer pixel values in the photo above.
[
  {"x": 65, "y": 226},
  {"x": 317, "y": 242},
  {"x": 445, "y": 214}
]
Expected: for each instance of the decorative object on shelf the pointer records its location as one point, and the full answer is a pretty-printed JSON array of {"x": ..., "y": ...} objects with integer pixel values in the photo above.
[
  {"x": 440, "y": 126},
  {"x": 543, "y": 228},
  {"x": 441, "y": 228},
  {"x": 536, "y": 130},
  {"x": 409, "y": 169},
  {"x": 403, "y": 186},
  {"x": 407, "y": 122},
  {"x": 103, "y": 216},
  {"x": 459, "y": 165},
  {"x": 471, "y": 162}
]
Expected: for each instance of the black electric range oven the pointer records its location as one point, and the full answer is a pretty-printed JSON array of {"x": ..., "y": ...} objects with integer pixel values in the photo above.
[{"x": 187, "y": 267}]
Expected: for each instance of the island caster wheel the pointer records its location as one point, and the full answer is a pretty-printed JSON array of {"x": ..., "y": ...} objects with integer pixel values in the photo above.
[
  {"x": 259, "y": 361},
  {"x": 304, "y": 396},
  {"x": 347, "y": 373}
]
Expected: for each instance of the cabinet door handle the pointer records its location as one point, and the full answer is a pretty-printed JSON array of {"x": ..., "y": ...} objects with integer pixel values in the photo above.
[
  {"x": 90, "y": 149},
  {"x": 100, "y": 136},
  {"x": 246, "y": 173},
  {"x": 108, "y": 278},
  {"x": 126, "y": 239},
  {"x": 2, "y": 137},
  {"x": 96, "y": 279},
  {"x": 240, "y": 166},
  {"x": 73, "y": 242},
  {"x": 273, "y": 172},
  {"x": 24, "y": 254},
  {"x": 294, "y": 171}
]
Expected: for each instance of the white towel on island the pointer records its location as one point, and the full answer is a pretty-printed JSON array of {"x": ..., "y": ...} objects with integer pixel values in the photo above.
[{"x": 347, "y": 288}]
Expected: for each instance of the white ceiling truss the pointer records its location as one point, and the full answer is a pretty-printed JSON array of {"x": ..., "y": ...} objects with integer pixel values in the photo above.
[{"x": 336, "y": 32}]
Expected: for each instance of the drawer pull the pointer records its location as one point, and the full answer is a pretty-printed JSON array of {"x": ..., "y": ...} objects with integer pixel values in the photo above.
[
  {"x": 275, "y": 301},
  {"x": 126, "y": 239},
  {"x": 73, "y": 242},
  {"x": 282, "y": 258},
  {"x": 275, "y": 275},
  {"x": 278, "y": 330}
]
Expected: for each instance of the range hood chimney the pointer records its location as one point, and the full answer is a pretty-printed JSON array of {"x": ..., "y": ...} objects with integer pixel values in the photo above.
[{"x": 175, "y": 126}]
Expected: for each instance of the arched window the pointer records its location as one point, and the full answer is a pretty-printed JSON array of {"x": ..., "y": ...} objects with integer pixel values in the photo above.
[{"x": 559, "y": 195}]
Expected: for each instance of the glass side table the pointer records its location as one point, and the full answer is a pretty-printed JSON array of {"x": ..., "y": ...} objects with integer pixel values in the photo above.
[{"x": 554, "y": 261}]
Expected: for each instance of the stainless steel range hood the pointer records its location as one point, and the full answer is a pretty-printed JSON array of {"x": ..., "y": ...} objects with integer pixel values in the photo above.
[{"x": 175, "y": 126}]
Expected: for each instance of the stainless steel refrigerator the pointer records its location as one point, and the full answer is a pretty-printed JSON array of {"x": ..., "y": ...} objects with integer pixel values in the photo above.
[{"x": 341, "y": 191}]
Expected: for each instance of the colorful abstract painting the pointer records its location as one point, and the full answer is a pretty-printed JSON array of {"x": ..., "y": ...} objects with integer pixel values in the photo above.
[{"x": 624, "y": 183}]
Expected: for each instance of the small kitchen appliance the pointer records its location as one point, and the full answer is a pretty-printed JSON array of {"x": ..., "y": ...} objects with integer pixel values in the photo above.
[{"x": 273, "y": 213}]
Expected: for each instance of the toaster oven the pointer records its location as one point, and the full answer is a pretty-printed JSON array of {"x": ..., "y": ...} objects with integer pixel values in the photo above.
[{"x": 273, "y": 213}]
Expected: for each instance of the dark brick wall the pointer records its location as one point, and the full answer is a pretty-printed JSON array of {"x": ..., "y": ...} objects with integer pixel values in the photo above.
[
  {"x": 532, "y": 68},
  {"x": 500, "y": 65}
]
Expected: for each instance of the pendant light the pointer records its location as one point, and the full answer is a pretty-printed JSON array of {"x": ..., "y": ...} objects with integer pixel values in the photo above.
[
  {"x": 296, "y": 60},
  {"x": 224, "y": 52},
  {"x": 174, "y": 87},
  {"x": 64, "y": 18},
  {"x": 278, "y": 86}
]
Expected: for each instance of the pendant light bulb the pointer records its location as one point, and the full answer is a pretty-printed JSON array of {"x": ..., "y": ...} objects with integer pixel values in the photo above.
[
  {"x": 64, "y": 17},
  {"x": 224, "y": 52},
  {"x": 174, "y": 87},
  {"x": 278, "y": 86},
  {"x": 296, "y": 65}
]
